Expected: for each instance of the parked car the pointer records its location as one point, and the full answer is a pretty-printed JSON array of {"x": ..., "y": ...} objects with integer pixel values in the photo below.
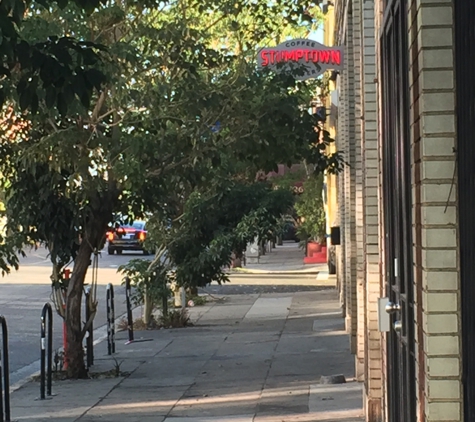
[{"x": 128, "y": 237}]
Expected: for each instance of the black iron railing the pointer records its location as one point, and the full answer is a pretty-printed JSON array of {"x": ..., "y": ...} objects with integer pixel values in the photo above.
[
  {"x": 110, "y": 319},
  {"x": 5, "y": 371},
  {"x": 46, "y": 371},
  {"x": 130, "y": 321}
]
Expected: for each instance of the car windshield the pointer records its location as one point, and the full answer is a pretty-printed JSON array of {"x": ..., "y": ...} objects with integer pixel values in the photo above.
[{"x": 137, "y": 225}]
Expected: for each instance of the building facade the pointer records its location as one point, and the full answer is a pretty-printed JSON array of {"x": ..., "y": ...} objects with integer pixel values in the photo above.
[{"x": 405, "y": 121}]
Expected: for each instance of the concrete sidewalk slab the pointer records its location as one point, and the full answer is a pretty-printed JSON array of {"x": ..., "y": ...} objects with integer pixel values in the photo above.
[
  {"x": 270, "y": 308},
  {"x": 336, "y": 401},
  {"x": 248, "y": 358},
  {"x": 281, "y": 279},
  {"x": 239, "y": 418},
  {"x": 284, "y": 259}
]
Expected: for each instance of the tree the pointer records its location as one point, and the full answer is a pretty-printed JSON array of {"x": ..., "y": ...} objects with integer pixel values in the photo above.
[
  {"x": 48, "y": 63},
  {"x": 212, "y": 226},
  {"x": 146, "y": 116},
  {"x": 310, "y": 210}
]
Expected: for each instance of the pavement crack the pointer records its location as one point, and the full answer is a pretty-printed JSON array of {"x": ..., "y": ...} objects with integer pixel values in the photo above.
[
  {"x": 271, "y": 362},
  {"x": 101, "y": 399},
  {"x": 184, "y": 395}
]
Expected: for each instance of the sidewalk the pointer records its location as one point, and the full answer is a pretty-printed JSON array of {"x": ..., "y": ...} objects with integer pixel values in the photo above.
[
  {"x": 254, "y": 357},
  {"x": 284, "y": 259}
]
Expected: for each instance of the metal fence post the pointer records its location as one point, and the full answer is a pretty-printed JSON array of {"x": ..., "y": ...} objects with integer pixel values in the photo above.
[
  {"x": 46, "y": 368},
  {"x": 5, "y": 368},
  {"x": 89, "y": 339},
  {"x": 130, "y": 321},
  {"x": 110, "y": 319}
]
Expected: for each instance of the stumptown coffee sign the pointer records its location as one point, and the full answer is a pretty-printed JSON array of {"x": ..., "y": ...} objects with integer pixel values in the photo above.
[{"x": 305, "y": 58}]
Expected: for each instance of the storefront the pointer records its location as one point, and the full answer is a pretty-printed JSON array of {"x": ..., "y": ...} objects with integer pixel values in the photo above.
[{"x": 406, "y": 263}]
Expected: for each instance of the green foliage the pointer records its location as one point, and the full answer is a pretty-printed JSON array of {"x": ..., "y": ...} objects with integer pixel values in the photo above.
[
  {"x": 122, "y": 130},
  {"x": 52, "y": 68},
  {"x": 45, "y": 193},
  {"x": 175, "y": 319},
  {"x": 125, "y": 108},
  {"x": 216, "y": 224},
  {"x": 289, "y": 179},
  {"x": 310, "y": 210},
  {"x": 11, "y": 247},
  {"x": 197, "y": 300},
  {"x": 147, "y": 279}
]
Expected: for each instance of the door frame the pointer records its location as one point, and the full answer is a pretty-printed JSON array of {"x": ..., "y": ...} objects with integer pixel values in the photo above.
[
  {"x": 397, "y": 203},
  {"x": 464, "y": 18}
]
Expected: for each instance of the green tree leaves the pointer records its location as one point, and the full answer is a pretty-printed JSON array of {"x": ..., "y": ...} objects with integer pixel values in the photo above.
[
  {"x": 137, "y": 107},
  {"x": 37, "y": 64},
  {"x": 216, "y": 224}
]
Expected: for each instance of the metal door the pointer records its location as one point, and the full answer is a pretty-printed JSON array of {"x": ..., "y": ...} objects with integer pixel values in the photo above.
[
  {"x": 398, "y": 212},
  {"x": 464, "y": 17}
]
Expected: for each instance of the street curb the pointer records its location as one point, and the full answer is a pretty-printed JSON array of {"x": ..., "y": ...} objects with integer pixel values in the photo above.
[
  {"x": 263, "y": 272},
  {"x": 277, "y": 275}
]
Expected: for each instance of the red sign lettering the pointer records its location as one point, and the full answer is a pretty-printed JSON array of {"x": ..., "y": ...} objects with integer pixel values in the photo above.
[
  {"x": 270, "y": 56},
  {"x": 336, "y": 57},
  {"x": 288, "y": 56},
  {"x": 324, "y": 56},
  {"x": 265, "y": 57},
  {"x": 312, "y": 57}
]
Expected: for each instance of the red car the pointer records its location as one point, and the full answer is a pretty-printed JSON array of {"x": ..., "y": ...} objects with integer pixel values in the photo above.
[{"x": 128, "y": 237}]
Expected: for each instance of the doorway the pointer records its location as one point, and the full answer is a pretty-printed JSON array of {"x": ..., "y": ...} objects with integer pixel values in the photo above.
[
  {"x": 464, "y": 15},
  {"x": 397, "y": 205}
]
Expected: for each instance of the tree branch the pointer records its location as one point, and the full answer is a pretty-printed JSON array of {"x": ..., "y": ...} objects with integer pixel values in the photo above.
[{"x": 98, "y": 106}]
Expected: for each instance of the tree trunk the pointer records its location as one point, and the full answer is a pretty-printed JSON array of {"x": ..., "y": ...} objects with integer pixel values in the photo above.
[
  {"x": 74, "y": 351},
  {"x": 92, "y": 236},
  {"x": 147, "y": 308},
  {"x": 165, "y": 306},
  {"x": 237, "y": 262}
]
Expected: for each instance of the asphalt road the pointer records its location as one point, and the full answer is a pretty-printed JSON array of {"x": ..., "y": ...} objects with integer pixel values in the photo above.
[{"x": 24, "y": 293}]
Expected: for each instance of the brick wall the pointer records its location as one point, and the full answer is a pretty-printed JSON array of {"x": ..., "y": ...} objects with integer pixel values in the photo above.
[
  {"x": 341, "y": 144},
  {"x": 378, "y": 16},
  {"x": 358, "y": 272},
  {"x": 371, "y": 217},
  {"x": 350, "y": 258},
  {"x": 358, "y": 244},
  {"x": 434, "y": 211},
  {"x": 436, "y": 280}
]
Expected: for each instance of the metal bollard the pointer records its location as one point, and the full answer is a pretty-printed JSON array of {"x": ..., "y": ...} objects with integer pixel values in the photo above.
[
  {"x": 110, "y": 319},
  {"x": 47, "y": 313},
  {"x": 5, "y": 368},
  {"x": 89, "y": 339},
  {"x": 130, "y": 321}
]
